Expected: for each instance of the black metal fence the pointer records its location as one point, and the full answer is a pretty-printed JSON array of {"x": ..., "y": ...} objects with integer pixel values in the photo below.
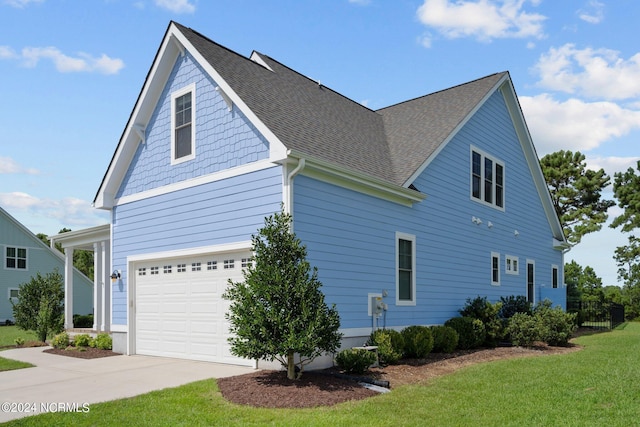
[{"x": 597, "y": 315}]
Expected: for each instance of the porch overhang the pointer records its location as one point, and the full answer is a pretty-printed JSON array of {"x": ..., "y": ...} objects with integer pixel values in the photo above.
[{"x": 98, "y": 240}]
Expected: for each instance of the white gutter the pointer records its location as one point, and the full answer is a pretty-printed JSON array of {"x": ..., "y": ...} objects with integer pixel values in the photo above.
[{"x": 288, "y": 206}]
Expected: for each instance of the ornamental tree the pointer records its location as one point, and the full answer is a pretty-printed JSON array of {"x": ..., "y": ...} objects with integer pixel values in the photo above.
[
  {"x": 40, "y": 305},
  {"x": 576, "y": 193},
  {"x": 278, "y": 311}
]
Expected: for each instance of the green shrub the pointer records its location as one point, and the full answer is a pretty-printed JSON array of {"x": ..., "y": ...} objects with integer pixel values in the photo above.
[
  {"x": 103, "y": 342},
  {"x": 83, "y": 321},
  {"x": 523, "y": 329},
  {"x": 445, "y": 339},
  {"x": 471, "y": 333},
  {"x": 488, "y": 313},
  {"x": 355, "y": 360},
  {"x": 19, "y": 341},
  {"x": 418, "y": 341},
  {"x": 60, "y": 341},
  {"x": 397, "y": 340},
  {"x": 387, "y": 353},
  {"x": 82, "y": 340},
  {"x": 40, "y": 307},
  {"x": 514, "y": 304},
  {"x": 556, "y": 326}
]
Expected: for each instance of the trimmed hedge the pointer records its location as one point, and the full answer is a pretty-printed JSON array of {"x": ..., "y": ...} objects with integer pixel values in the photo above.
[
  {"x": 445, "y": 339},
  {"x": 388, "y": 354},
  {"x": 355, "y": 360},
  {"x": 471, "y": 332},
  {"x": 418, "y": 341}
]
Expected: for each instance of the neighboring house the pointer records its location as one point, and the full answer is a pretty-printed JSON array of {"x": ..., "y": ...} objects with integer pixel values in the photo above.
[
  {"x": 24, "y": 255},
  {"x": 424, "y": 204}
]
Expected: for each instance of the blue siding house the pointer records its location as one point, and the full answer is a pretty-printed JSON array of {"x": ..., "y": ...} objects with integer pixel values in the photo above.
[
  {"x": 24, "y": 255},
  {"x": 417, "y": 206}
]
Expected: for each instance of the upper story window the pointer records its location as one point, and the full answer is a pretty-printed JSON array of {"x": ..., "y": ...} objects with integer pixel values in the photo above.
[
  {"x": 16, "y": 258},
  {"x": 487, "y": 179},
  {"x": 183, "y": 124},
  {"x": 405, "y": 269}
]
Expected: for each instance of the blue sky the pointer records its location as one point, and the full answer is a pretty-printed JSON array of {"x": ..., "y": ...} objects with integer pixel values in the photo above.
[{"x": 71, "y": 71}]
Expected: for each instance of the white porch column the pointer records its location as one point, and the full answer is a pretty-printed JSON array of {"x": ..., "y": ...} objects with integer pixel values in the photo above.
[
  {"x": 106, "y": 287},
  {"x": 68, "y": 288},
  {"x": 98, "y": 267}
]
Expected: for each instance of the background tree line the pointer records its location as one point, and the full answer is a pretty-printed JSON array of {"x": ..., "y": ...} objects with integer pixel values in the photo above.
[{"x": 576, "y": 193}]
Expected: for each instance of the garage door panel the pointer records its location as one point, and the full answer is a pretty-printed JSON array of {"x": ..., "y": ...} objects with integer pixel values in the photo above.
[{"x": 182, "y": 314}]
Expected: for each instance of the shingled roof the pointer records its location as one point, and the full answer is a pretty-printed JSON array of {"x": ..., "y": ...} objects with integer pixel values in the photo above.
[{"x": 390, "y": 144}]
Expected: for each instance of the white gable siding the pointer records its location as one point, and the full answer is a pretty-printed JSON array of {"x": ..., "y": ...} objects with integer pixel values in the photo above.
[
  {"x": 224, "y": 139},
  {"x": 351, "y": 236}
]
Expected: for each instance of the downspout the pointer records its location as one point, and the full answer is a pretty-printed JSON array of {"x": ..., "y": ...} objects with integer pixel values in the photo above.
[{"x": 290, "y": 176}]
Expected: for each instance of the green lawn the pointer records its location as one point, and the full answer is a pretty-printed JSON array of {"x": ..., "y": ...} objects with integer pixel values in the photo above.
[
  {"x": 8, "y": 335},
  {"x": 597, "y": 386}
]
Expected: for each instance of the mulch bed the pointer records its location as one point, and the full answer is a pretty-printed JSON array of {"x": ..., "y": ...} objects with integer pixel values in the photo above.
[
  {"x": 85, "y": 353},
  {"x": 272, "y": 389}
]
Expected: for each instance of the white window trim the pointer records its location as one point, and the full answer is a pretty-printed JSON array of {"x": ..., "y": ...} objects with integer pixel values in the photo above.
[
  {"x": 190, "y": 88},
  {"x": 14, "y": 299},
  {"x": 509, "y": 260},
  {"x": 495, "y": 255},
  {"x": 558, "y": 285},
  {"x": 526, "y": 279},
  {"x": 26, "y": 264},
  {"x": 412, "y": 238},
  {"x": 504, "y": 179}
]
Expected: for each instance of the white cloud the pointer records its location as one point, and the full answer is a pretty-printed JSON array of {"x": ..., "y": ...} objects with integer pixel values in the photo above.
[
  {"x": 612, "y": 164},
  {"x": 68, "y": 212},
  {"x": 574, "y": 124},
  {"x": 7, "y": 53},
  {"x": 483, "y": 19},
  {"x": 595, "y": 73},
  {"x": 21, "y": 3},
  {"x": 593, "y": 13},
  {"x": 176, "y": 6},
  {"x": 10, "y": 166},
  {"x": 67, "y": 64}
]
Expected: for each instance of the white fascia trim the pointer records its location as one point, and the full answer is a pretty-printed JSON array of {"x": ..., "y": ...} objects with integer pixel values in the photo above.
[
  {"x": 455, "y": 131},
  {"x": 353, "y": 180},
  {"x": 275, "y": 146},
  {"x": 179, "y": 253},
  {"x": 205, "y": 179},
  {"x": 142, "y": 111},
  {"x": 517, "y": 117}
]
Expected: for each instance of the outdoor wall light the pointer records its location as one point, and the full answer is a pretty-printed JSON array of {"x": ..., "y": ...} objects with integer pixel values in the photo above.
[
  {"x": 476, "y": 221},
  {"x": 115, "y": 276}
]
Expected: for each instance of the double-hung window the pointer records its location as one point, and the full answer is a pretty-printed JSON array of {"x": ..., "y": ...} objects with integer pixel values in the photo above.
[
  {"x": 16, "y": 258},
  {"x": 405, "y": 269},
  {"x": 183, "y": 124},
  {"x": 487, "y": 179},
  {"x": 495, "y": 269}
]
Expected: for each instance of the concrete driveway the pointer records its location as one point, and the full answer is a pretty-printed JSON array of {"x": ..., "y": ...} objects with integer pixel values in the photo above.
[{"x": 58, "y": 383}]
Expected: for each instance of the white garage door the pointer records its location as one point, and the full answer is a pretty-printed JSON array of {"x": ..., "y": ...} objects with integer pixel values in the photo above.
[{"x": 180, "y": 311}]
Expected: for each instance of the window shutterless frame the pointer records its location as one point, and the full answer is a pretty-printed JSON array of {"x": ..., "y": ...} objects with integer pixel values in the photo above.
[
  {"x": 183, "y": 124},
  {"x": 405, "y": 269},
  {"x": 487, "y": 177}
]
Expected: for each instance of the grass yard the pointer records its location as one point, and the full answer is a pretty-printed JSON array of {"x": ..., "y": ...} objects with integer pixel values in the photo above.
[
  {"x": 597, "y": 386},
  {"x": 8, "y": 335}
]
